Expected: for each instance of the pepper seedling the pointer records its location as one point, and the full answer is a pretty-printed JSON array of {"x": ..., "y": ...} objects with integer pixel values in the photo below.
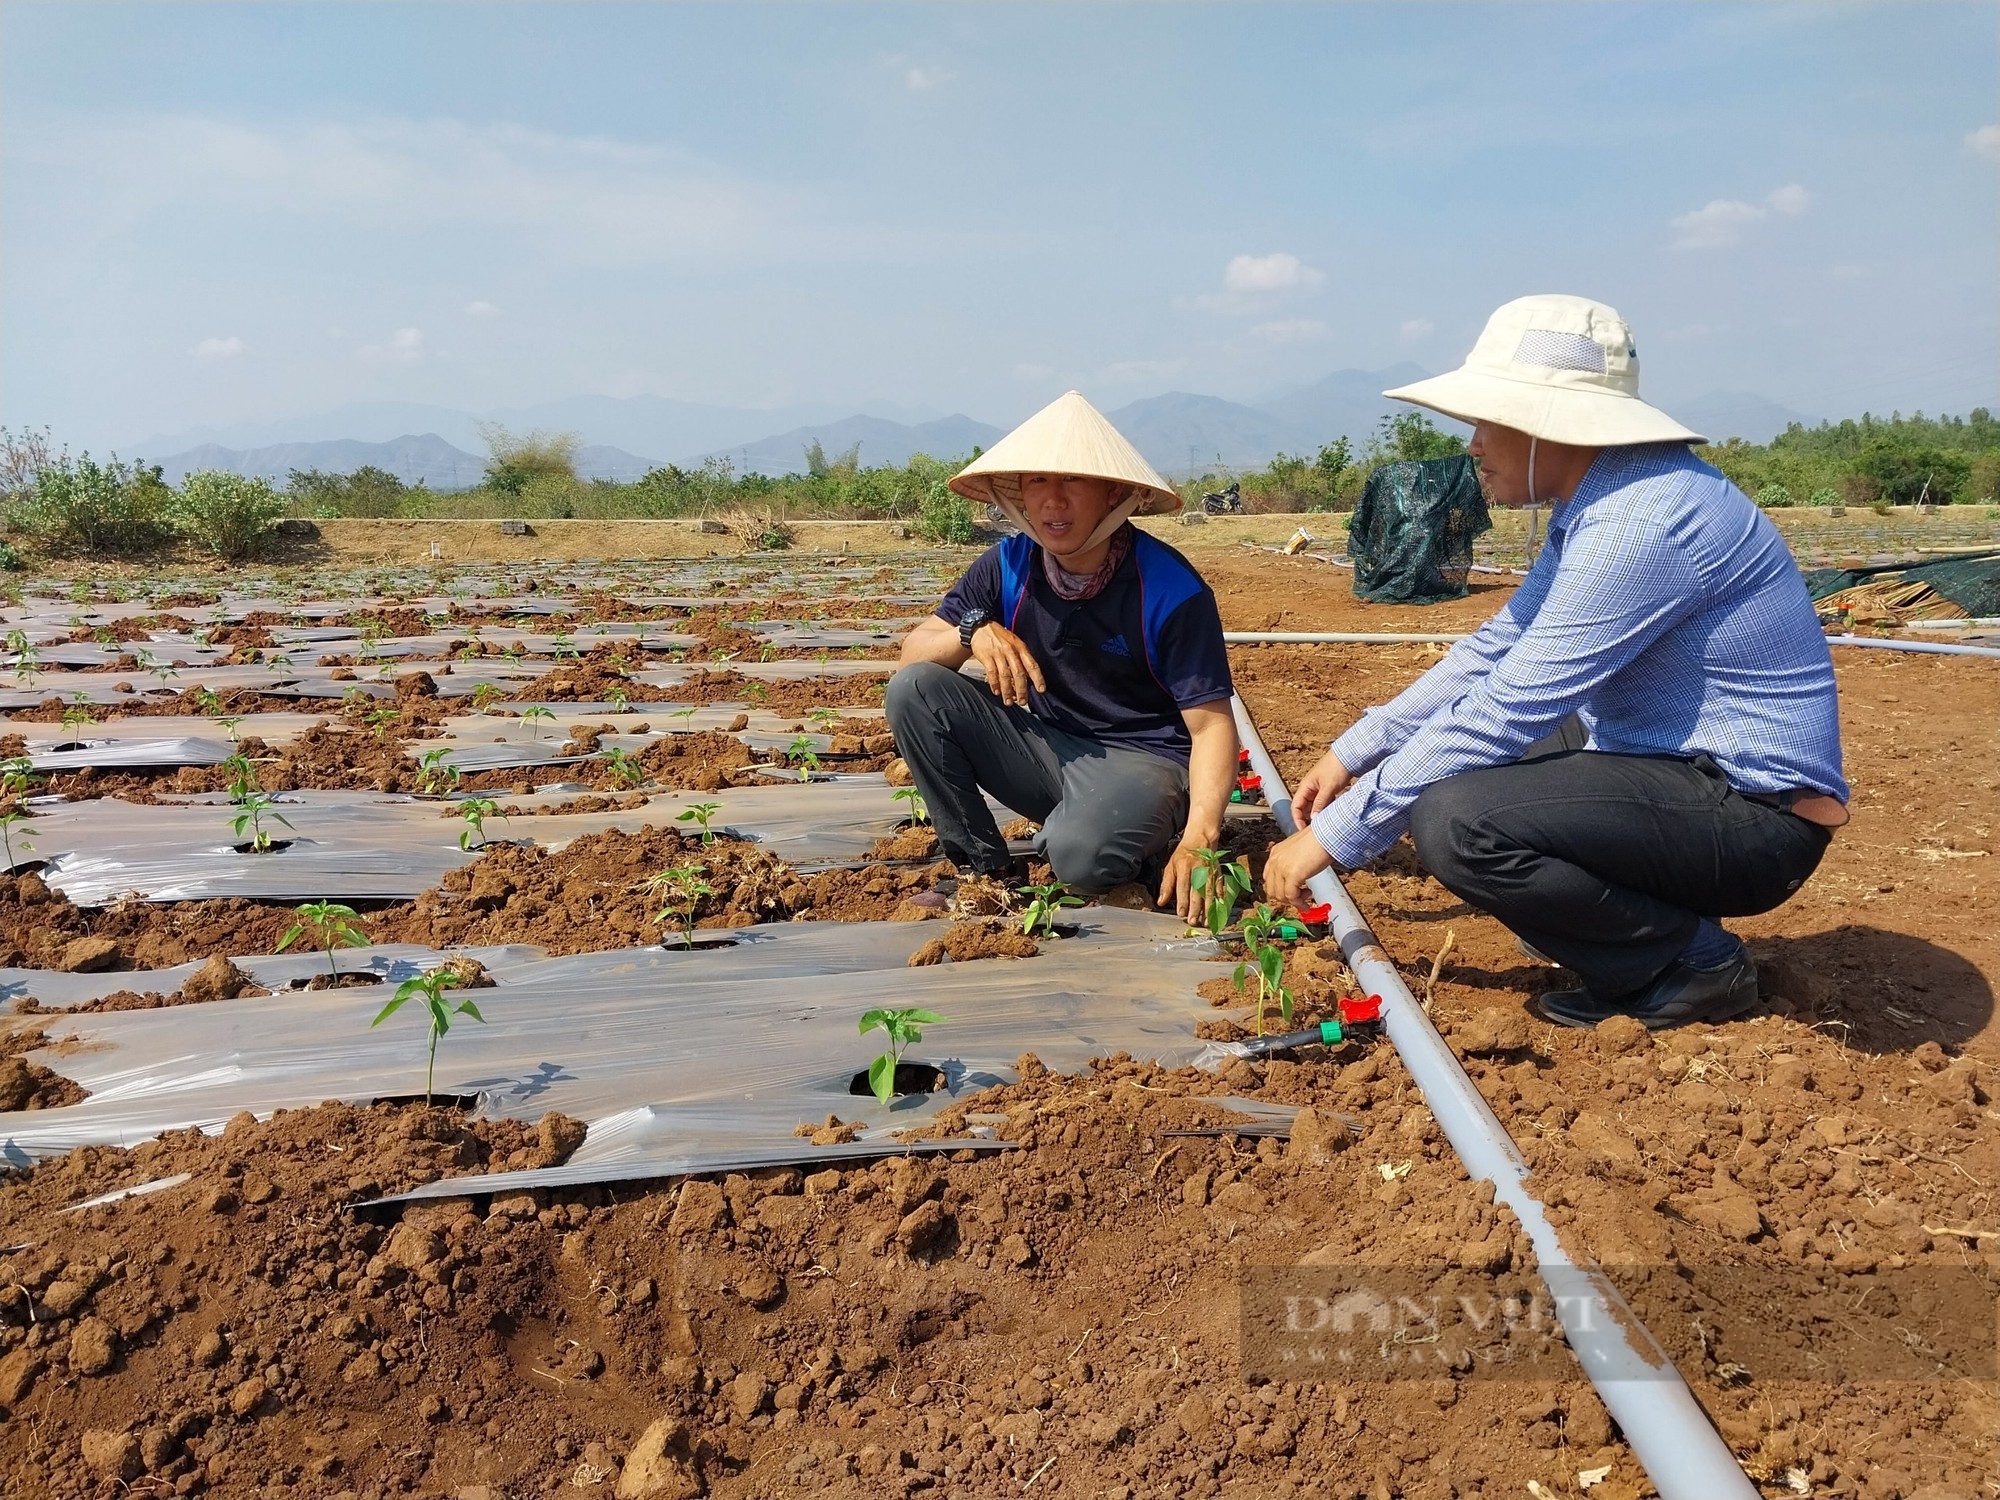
[
  {"x": 1220, "y": 882},
  {"x": 332, "y": 926},
  {"x": 1046, "y": 901},
  {"x": 475, "y": 811},
  {"x": 902, "y": 1028},
  {"x": 806, "y": 754},
  {"x": 429, "y": 987},
  {"x": 537, "y": 715},
  {"x": 681, "y": 890},
  {"x": 255, "y": 807},
  {"x": 910, "y": 797},
  {"x": 700, "y": 813},
  {"x": 435, "y": 774},
  {"x": 1266, "y": 962},
  {"x": 14, "y": 825},
  {"x": 625, "y": 768}
]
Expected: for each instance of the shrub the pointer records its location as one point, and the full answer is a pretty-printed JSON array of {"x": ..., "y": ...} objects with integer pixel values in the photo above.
[
  {"x": 368, "y": 493},
  {"x": 1823, "y": 498},
  {"x": 101, "y": 507},
  {"x": 1774, "y": 497},
  {"x": 10, "y": 558},
  {"x": 945, "y": 517},
  {"x": 516, "y": 459},
  {"x": 226, "y": 513}
]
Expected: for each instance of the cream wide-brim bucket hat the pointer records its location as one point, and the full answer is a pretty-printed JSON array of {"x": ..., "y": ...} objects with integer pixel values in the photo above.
[
  {"x": 1068, "y": 436},
  {"x": 1563, "y": 369}
]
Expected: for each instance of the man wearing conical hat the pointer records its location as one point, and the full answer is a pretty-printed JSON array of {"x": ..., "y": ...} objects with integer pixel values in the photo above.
[
  {"x": 1645, "y": 739},
  {"x": 1104, "y": 715}
]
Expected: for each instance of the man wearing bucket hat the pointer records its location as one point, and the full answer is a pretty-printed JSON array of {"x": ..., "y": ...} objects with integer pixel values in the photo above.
[
  {"x": 1645, "y": 739},
  {"x": 1105, "y": 711}
]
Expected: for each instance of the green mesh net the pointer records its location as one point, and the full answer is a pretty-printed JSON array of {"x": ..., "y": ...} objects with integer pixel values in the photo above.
[{"x": 1412, "y": 533}]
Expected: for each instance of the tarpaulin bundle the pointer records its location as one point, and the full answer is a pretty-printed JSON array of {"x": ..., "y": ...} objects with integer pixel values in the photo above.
[{"x": 1412, "y": 533}]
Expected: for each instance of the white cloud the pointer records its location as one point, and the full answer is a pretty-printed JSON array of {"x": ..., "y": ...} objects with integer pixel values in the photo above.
[
  {"x": 1791, "y": 200},
  {"x": 1128, "y": 370},
  {"x": 220, "y": 348},
  {"x": 1290, "y": 331},
  {"x": 1985, "y": 141},
  {"x": 1721, "y": 222},
  {"x": 402, "y": 347},
  {"x": 1417, "y": 328},
  {"x": 924, "y": 80},
  {"x": 1278, "y": 272},
  {"x": 480, "y": 309},
  {"x": 589, "y": 200}
]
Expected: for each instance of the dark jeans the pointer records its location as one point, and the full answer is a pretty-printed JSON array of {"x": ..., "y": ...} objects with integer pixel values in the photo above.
[
  {"x": 1605, "y": 863},
  {"x": 1104, "y": 810}
]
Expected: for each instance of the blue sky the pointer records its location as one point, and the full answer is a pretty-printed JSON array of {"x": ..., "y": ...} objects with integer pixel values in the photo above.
[{"x": 234, "y": 212}]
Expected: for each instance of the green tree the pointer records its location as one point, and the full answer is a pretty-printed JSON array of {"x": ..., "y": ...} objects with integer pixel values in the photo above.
[
  {"x": 515, "y": 459},
  {"x": 227, "y": 514}
]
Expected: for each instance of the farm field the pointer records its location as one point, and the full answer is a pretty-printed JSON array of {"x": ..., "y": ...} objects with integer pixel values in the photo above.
[{"x": 648, "y": 1239}]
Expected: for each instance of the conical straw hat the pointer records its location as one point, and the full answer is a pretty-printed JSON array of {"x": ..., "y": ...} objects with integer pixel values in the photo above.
[{"x": 1068, "y": 436}]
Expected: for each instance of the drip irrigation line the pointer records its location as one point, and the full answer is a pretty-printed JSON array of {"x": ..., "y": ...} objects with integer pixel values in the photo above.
[
  {"x": 1929, "y": 648},
  {"x": 1666, "y": 1427}
]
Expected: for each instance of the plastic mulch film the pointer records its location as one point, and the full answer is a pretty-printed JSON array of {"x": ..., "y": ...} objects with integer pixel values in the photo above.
[
  {"x": 121, "y": 754},
  {"x": 1412, "y": 533},
  {"x": 369, "y": 846},
  {"x": 390, "y": 963},
  {"x": 680, "y": 1062}
]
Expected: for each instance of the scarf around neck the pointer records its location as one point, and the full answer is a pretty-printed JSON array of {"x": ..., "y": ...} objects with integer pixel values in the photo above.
[{"x": 1070, "y": 585}]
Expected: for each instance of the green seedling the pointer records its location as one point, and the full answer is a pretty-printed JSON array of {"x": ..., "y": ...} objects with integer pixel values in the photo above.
[
  {"x": 430, "y": 988},
  {"x": 378, "y": 720},
  {"x": 254, "y": 808},
  {"x": 279, "y": 663},
  {"x": 13, "y": 826},
  {"x": 483, "y": 696},
  {"x": 206, "y": 702},
  {"x": 803, "y": 751},
  {"x": 625, "y": 768},
  {"x": 680, "y": 890},
  {"x": 435, "y": 774},
  {"x": 902, "y": 1027},
  {"x": 757, "y": 693},
  {"x": 27, "y": 659},
  {"x": 331, "y": 925},
  {"x": 620, "y": 700},
  {"x": 1266, "y": 963},
  {"x": 17, "y": 776},
  {"x": 538, "y": 715},
  {"x": 766, "y": 652},
  {"x": 913, "y": 800},
  {"x": 562, "y": 647},
  {"x": 1220, "y": 882},
  {"x": 857, "y": 651},
  {"x": 76, "y": 716},
  {"x": 475, "y": 811},
  {"x": 227, "y": 724},
  {"x": 823, "y": 719},
  {"x": 515, "y": 653},
  {"x": 1045, "y": 901},
  {"x": 700, "y": 813}
]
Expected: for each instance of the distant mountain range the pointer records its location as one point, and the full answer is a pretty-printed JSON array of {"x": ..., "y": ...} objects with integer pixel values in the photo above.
[{"x": 1179, "y": 432}]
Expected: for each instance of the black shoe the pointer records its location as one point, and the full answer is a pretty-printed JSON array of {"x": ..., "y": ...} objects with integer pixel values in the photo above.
[{"x": 1682, "y": 996}]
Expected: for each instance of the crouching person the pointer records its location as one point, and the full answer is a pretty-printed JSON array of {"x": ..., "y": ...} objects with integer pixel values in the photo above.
[{"x": 1105, "y": 714}]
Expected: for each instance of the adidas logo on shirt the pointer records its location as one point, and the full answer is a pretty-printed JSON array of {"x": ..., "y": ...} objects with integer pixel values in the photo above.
[{"x": 1117, "y": 647}]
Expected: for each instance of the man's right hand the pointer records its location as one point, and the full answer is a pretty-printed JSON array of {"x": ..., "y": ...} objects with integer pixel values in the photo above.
[
  {"x": 1319, "y": 786},
  {"x": 1009, "y": 667}
]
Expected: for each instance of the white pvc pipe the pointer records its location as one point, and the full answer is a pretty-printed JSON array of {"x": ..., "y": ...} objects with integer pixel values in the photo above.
[
  {"x": 1351, "y": 638},
  {"x": 1666, "y": 1427},
  {"x": 1329, "y": 638},
  {"x": 1929, "y": 648}
]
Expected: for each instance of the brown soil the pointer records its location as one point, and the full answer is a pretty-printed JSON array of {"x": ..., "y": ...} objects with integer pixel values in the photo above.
[
  {"x": 29, "y": 1085},
  {"x": 918, "y": 841},
  {"x": 587, "y": 897},
  {"x": 798, "y": 697},
  {"x": 986, "y": 937}
]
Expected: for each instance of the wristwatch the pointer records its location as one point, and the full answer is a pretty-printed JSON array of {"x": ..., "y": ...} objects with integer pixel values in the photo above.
[{"x": 968, "y": 626}]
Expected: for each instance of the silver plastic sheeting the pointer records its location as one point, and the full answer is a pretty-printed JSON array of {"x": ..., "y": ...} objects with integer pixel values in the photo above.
[
  {"x": 121, "y": 754},
  {"x": 368, "y": 846},
  {"x": 391, "y": 963},
  {"x": 681, "y": 1062}
]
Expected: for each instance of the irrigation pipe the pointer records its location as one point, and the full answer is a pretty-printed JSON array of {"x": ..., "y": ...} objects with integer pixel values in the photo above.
[
  {"x": 1668, "y": 1431},
  {"x": 1349, "y": 638},
  {"x": 1930, "y": 648}
]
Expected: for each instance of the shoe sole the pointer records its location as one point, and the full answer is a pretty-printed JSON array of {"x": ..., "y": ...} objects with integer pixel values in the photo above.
[{"x": 1729, "y": 1010}]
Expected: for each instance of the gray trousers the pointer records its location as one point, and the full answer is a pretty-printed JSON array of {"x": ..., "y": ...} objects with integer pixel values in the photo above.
[{"x": 1104, "y": 809}]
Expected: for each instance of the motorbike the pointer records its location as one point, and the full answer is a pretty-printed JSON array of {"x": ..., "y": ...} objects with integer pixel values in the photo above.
[{"x": 1224, "y": 502}]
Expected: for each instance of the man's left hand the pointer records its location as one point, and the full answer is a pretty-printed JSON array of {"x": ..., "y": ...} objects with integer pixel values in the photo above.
[
  {"x": 1291, "y": 864},
  {"x": 1176, "y": 884}
]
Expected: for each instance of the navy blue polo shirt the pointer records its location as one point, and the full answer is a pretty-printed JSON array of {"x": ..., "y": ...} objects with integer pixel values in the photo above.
[{"x": 1120, "y": 667}]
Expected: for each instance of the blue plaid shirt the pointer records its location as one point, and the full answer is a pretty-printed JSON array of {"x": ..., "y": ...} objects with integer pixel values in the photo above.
[{"x": 1665, "y": 609}]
